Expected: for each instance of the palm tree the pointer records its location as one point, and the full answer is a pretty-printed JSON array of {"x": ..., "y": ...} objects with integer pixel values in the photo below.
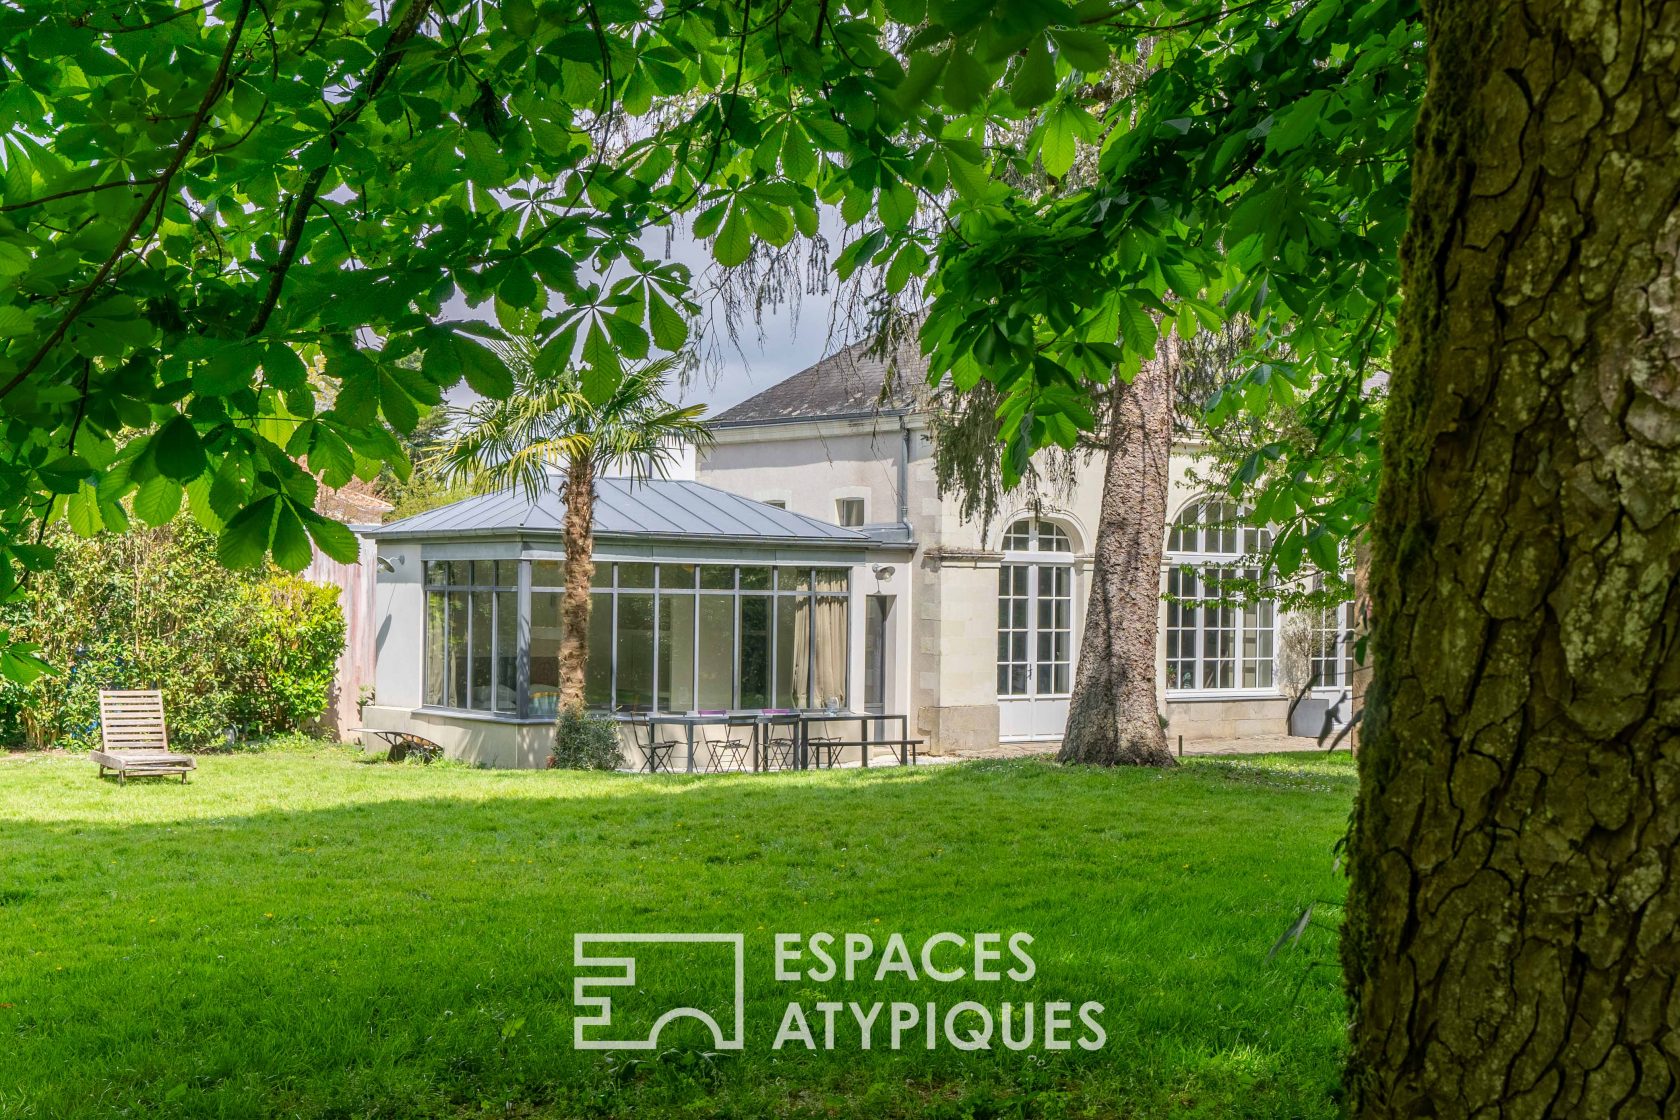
[{"x": 549, "y": 427}]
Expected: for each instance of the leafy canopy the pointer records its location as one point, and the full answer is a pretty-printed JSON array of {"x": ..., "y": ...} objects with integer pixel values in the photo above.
[{"x": 202, "y": 201}]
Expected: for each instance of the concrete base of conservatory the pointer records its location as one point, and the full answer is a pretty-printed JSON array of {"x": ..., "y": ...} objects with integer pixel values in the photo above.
[
  {"x": 503, "y": 744},
  {"x": 1245, "y": 718}
]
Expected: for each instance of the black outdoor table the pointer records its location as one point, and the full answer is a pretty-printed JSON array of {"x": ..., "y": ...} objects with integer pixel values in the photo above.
[
  {"x": 765, "y": 718},
  {"x": 864, "y": 741}
]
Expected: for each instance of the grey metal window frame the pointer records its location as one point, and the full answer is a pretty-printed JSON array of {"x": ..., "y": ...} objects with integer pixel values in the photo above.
[
  {"x": 496, "y": 589},
  {"x": 525, "y": 589}
]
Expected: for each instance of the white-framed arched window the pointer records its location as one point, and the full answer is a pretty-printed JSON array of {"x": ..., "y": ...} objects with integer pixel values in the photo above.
[
  {"x": 1214, "y": 642},
  {"x": 1035, "y": 610}
]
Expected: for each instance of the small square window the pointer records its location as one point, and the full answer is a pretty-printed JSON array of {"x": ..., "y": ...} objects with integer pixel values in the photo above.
[
  {"x": 715, "y": 578},
  {"x": 778, "y": 503},
  {"x": 849, "y": 512},
  {"x": 676, "y": 576},
  {"x": 635, "y": 575}
]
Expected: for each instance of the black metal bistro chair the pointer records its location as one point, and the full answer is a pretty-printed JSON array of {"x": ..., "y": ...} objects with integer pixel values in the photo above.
[
  {"x": 826, "y": 748},
  {"x": 729, "y": 742},
  {"x": 656, "y": 752},
  {"x": 779, "y": 735}
]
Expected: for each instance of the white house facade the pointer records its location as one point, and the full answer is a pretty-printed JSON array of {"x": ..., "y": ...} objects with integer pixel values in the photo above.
[{"x": 990, "y": 617}]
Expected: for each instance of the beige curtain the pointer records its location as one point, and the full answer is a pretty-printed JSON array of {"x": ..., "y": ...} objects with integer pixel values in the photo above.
[
  {"x": 829, "y": 680},
  {"x": 793, "y": 689}
]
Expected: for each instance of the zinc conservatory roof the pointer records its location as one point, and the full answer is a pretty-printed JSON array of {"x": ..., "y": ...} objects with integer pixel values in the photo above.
[{"x": 664, "y": 508}]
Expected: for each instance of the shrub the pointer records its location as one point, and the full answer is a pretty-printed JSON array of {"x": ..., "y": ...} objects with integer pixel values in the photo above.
[
  {"x": 236, "y": 653},
  {"x": 292, "y": 649},
  {"x": 584, "y": 741}
]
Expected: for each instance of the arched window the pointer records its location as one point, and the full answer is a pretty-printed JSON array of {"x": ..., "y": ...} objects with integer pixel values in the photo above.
[
  {"x": 1214, "y": 642},
  {"x": 1035, "y": 611}
]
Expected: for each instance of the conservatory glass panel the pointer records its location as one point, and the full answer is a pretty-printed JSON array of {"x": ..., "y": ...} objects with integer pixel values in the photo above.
[{"x": 676, "y": 651}]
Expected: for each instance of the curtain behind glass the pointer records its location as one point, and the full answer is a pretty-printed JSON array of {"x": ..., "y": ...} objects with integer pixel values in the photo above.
[
  {"x": 829, "y": 642},
  {"x": 793, "y": 655}
]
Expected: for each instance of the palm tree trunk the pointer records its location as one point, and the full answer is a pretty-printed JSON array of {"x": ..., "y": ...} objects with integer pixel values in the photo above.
[
  {"x": 1113, "y": 718},
  {"x": 579, "y": 533}
]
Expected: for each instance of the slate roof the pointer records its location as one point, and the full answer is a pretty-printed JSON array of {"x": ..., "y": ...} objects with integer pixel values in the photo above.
[
  {"x": 663, "y": 508},
  {"x": 852, "y": 382}
]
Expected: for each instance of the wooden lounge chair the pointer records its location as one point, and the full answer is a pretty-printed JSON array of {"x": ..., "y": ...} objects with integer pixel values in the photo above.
[{"x": 135, "y": 738}]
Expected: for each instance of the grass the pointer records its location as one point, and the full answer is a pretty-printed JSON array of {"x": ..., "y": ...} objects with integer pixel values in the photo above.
[{"x": 301, "y": 933}]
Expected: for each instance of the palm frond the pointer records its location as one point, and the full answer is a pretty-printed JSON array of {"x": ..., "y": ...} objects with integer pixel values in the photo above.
[{"x": 549, "y": 424}]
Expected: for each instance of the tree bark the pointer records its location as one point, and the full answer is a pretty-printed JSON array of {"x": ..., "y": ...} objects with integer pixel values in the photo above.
[
  {"x": 1360, "y": 679},
  {"x": 579, "y": 535},
  {"x": 1114, "y": 717},
  {"x": 1511, "y": 945}
]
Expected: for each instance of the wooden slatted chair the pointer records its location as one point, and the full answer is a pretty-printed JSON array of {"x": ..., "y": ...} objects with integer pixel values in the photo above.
[{"x": 136, "y": 740}]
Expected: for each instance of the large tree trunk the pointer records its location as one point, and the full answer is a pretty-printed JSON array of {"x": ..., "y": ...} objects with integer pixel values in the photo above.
[
  {"x": 1113, "y": 718},
  {"x": 1511, "y": 944},
  {"x": 579, "y": 535},
  {"x": 1359, "y": 682}
]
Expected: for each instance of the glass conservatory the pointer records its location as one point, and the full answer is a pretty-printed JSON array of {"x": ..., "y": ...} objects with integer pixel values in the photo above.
[
  {"x": 663, "y": 637},
  {"x": 702, "y": 601}
]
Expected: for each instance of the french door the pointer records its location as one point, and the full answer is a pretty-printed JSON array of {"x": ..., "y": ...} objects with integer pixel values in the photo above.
[{"x": 1034, "y": 649}]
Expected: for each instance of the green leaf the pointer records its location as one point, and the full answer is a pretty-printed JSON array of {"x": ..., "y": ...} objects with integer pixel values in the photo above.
[
  {"x": 332, "y": 538},
  {"x": 244, "y": 540},
  {"x": 282, "y": 367},
  {"x": 231, "y": 366},
  {"x": 330, "y": 457},
  {"x": 520, "y": 16},
  {"x": 1297, "y": 123},
  {"x": 734, "y": 240},
  {"x": 19, "y": 662},
  {"x": 966, "y": 82},
  {"x": 158, "y": 500},
  {"x": 81, "y": 510},
  {"x": 291, "y": 542},
  {"x": 198, "y": 503},
  {"x": 396, "y": 404},
  {"x": 897, "y": 206},
  {"x": 1084, "y": 49},
  {"x": 1056, "y": 142},
  {"x": 177, "y": 450},
  {"x": 628, "y": 336},
  {"x": 486, "y": 373},
  {"x": 1035, "y": 77},
  {"x": 603, "y": 369},
  {"x": 669, "y": 327},
  {"x": 799, "y": 158},
  {"x": 15, "y": 322}
]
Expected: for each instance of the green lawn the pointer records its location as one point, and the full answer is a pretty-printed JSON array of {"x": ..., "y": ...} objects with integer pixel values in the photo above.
[{"x": 301, "y": 933}]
